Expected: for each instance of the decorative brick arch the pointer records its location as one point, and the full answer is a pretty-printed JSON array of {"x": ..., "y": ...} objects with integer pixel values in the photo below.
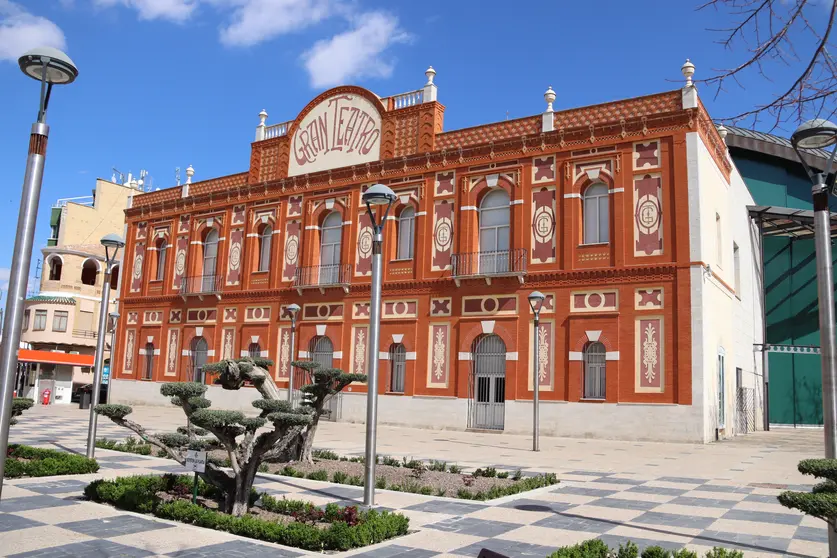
[
  {"x": 481, "y": 188},
  {"x": 203, "y": 229},
  {"x": 255, "y": 224},
  {"x": 319, "y": 214},
  {"x": 585, "y": 182},
  {"x": 342, "y": 90},
  {"x": 583, "y": 340},
  {"x": 467, "y": 340}
]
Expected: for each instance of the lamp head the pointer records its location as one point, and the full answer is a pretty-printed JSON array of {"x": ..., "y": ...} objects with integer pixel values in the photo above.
[
  {"x": 815, "y": 134},
  {"x": 536, "y": 299},
  {"x": 378, "y": 194},
  {"x": 114, "y": 315},
  {"x": 293, "y": 308},
  {"x": 59, "y": 70},
  {"x": 112, "y": 240}
]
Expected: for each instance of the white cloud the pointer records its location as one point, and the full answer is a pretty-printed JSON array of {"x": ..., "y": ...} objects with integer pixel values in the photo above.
[
  {"x": 21, "y": 31},
  {"x": 254, "y": 21},
  {"x": 177, "y": 11},
  {"x": 355, "y": 53}
]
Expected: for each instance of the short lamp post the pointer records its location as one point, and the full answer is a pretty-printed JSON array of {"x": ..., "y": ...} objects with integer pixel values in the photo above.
[
  {"x": 382, "y": 196},
  {"x": 819, "y": 134},
  {"x": 112, "y": 243},
  {"x": 293, "y": 310},
  {"x": 114, "y": 318},
  {"x": 536, "y": 299},
  {"x": 50, "y": 67}
]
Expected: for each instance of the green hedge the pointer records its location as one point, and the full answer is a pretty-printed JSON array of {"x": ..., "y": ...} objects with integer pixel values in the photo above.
[
  {"x": 139, "y": 494},
  {"x": 595, "y": 548},
  {"x": 26, "y": 461},
  {"x": 130, "y": 445}
]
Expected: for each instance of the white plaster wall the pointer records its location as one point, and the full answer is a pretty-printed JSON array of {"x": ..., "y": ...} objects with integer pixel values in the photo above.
[
  {"x": 722, "y": 318},
  {"x": 138, "y": 392}
]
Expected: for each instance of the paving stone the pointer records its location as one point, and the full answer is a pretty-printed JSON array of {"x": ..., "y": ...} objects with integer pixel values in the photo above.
[
  {"x": 472, "y": 526},
  {"x": 683, "y": 480},
  {"x": 724, "y": 488},
  {"x": 236, "y": 549},
  {"x": 658, "y": 490},
  {"x": 813, "y": 534},
  {"x": 508, "y": 548},
  {"x": 89, "y": 549},
  {"x": 763, "y": 517},
  {"x": 623, "y": 504},
  {"x": 33, "y": 503},
  {"x": 761, "y": 498},
  {"x": 576, "y": 523},
  {"x": 394, "y": 550},
  {"x": 118, "y": 465},
  {"x": 616, "y": 480},
  {"x": 446, "y": 507},
  {"x": 702, "y": 502},
  {"x": 527, "y": 504},
  {"x": 114, "y": 526},
  {"x": 55, "y": 487},
  {"x": 587, "y": 473},
  {"x": 741, "y": 541},
  {"x": 674, "y": 520},
  {"x": 12, "y": 522},
  {"x": 584, "y": 491}
]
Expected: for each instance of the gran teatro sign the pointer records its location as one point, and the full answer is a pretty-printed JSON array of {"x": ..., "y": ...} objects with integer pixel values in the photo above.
[{"x": 341, "y": 131}]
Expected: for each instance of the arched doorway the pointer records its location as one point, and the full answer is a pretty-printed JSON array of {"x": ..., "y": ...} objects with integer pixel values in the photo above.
[
  {"x": 321, "y": 350},
  {"x": 200, "y": 350},
  {"x": 487, "y": 388}
]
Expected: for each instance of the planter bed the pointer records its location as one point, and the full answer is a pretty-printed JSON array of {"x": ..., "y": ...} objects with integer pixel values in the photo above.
[
  {"x": 416, "y": 480},
  {"x": 595, "y": 548},
  {"x": 26, "y": 461},
  {"x": 292, "y": 523}
]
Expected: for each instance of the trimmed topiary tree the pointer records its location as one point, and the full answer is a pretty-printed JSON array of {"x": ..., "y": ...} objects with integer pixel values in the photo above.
[
  {"x": 821, "y": 502},
  {"x": 20, "y": 404},
  {"x": 231, "y": 430}
]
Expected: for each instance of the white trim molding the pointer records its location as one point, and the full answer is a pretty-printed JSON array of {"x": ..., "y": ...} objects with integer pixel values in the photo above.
[
  {"x": 338, "y": 354},
  {"x": 464, "y": 356},
  {"x": 511, "y": 356},
  {"x": 573, "y": 195},
  {"x": 612, "y": 355},
  {"x": 576, "y": 355},
  {"x": 410, "y": 356}
]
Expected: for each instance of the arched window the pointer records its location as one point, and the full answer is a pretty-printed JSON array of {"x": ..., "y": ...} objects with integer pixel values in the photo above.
[
  {"x": 322, "y": 351},
  {"x": 88, "y": 272},
  {"x": 595, "y": 216},
  {"x": 148, "y": 372},
  {"x": 406, "y": 233},
  {"x": 264, "y": 248},
  {"x": 330, "y": 240},
  {"x": 494, "y": 232},
  {"x": 200, "y": 350},
  {"x": 594, "y": 371},
  {"x": 55, "y": 266},
  {"x": 114, "y": 277},
  {"x": 162, "y": 248},
  {"x": 210, "y": 260},
  {"x": 254, "y": 350},
  {"x": 398, "y": 368}
]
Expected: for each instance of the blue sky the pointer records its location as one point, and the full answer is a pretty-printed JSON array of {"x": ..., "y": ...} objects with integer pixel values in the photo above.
[{"x": 169, "y": 83}]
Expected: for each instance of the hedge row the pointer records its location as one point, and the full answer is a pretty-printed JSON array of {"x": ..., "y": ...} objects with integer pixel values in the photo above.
[
  {"x": 595, "y": 548},
  {"x": 26, "y": 461},
  {"x": 130, "y": 445},
  {"x": 139, "y": 494}
]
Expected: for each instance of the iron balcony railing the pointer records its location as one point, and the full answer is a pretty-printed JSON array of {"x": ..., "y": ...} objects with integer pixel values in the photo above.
[
  {"x": 85, "y": 333},
  {"x": 201, "y": 285},
  {"x": 331, "y": 275},
  {"x": 495, "y": 263}
]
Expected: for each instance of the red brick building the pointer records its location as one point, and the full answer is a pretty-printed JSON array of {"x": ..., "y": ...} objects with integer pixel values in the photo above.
[{"x": 602, "y": 208}]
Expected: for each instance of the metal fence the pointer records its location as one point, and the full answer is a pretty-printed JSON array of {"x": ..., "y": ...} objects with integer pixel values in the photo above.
[
  {"x": 493, "y": 263},
  {"x": 323, "y": 275},
  {"x": 201, "y": 284}
]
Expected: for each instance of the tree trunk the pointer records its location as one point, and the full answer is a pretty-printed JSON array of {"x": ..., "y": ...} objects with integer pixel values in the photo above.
[
  {"x": 308, "y": 440},
  {"x": 238, "y": 499}
]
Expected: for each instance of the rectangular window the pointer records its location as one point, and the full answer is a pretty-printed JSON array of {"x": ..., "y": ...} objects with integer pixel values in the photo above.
[
  {"x": 719, "y": 250},
  {"x": 40, "y": 320},
  {"x": 25, "y": 320},
  {"x": 736, "y": 263},
  {"x": 59, "y": 320},
  {"x": 84, "y": 321}
]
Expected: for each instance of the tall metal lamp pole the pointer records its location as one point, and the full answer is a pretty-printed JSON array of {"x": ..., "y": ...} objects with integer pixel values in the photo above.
[
  {"x": 112, "y": 243},
  {"x": 293, "y": 309},
  {"x": 374, "y": 195},
  {"x": 818, "y": 134},
  {"x": 536, "y": 302},
  {"x": 50, "y": 67}
]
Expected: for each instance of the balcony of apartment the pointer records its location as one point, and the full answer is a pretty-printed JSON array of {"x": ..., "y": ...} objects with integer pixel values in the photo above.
[
  {"x": 323, "y": 277},
  {"x": 489, "y": 265},
  {"x": 201, "y": 286}
]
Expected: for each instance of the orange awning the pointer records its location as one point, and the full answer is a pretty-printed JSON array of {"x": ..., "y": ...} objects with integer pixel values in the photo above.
[{"x": 48, "y": 357}]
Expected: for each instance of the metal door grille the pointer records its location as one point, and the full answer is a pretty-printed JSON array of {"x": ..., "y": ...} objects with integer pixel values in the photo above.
[
  {"x": 595, "y": 361},
  {"x": 745, "y": 411},
  {"x": 200, "y": 351},
  {"x": 321, "y": 350},
  {"x": 487, "y": 388},
  {"x": 398, "y": 367}
]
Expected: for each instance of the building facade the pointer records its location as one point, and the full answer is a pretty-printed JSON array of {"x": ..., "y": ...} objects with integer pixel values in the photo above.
[
  {"x": 63, "y": 317},
  {"x": 629, "y": 216}
]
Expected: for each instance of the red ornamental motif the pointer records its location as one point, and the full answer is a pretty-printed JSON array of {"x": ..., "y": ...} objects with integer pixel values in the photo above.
[
  {"x": 444, "y": 183},
  {"x": 136, "y": 270},
  {"x": 440, "y": 306},
  {"x": 294, "y": 206},
  {"x": 362, "y": 309},
  {"x": 544, "y": 357},
  {"x": 238, "y": 215},
  {"x": 291, "y": 250},
  {"x": 648, "y": 215},
  {"x": 650, "y": 297},
  {"x": 543, "y": 225},
  {"x": 230, "y": 314},
  {"x": 364, "y": 246},
  {"x": 175, "y": 316},
  {"x": 184, "y": 224},
  {"x": 543, "y": 169},
  {"x": 439, "y": 354},
  {"x": 646, "y": 155},
  {"x": 201, "y": 315},
  {"x": 234, "y": 264},
  {"x": 442, "y": 236},
  {"x": 180, "y": 260},
  {"x": 650, "y": 353}
]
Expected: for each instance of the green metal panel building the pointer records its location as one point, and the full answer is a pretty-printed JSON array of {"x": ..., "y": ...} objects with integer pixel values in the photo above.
[{"x": 777, "y": 180}]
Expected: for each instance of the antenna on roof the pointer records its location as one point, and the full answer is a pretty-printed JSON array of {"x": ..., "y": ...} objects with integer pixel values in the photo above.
[
  {"x": 118, "y": 177},
  {"x": 177, "y": 175}
]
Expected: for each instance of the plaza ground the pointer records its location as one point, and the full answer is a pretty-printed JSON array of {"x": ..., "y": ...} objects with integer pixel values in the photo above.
[{"x": 669, "y": 494}]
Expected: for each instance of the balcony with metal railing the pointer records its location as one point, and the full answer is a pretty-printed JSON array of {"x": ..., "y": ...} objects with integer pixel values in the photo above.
[
  {"x": 85, "y": 334},
  {"x": 323, "y": 277},
  {"x": 201, "y": 286},
  {"x": 488, "y": 265}
]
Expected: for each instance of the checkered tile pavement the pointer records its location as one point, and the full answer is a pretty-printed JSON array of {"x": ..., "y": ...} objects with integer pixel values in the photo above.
[{"x": 47, "y": 517}]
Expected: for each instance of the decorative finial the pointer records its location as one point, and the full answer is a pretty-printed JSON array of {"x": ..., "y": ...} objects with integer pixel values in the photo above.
[
  {"x": 722, "y": 131},
  {"x": 190, "y": 172},
  {"x": 262, "y": 117},
  {"x": 430, "y": 73},
  {"x": 688, "y": 70},
  {"x": 549, "y": 97}
]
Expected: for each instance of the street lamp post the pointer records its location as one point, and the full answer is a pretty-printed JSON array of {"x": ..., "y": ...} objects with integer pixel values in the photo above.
[
  {"x": 293, "y": 309},
  {"x": 114, "y": 317},
  {"x": 383, "y": 196},
  {"x": 50, "y": 67},
  {"x": 818, "y": 134},
  {"x": 536, "y": 299},
  {"x": 112, "y": 243}
]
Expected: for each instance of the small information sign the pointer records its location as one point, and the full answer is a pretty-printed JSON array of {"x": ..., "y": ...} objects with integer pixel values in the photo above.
[{"x": 195, "y": 461}]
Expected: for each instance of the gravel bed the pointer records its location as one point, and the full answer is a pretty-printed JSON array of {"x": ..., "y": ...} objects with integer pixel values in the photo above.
[{"x": 449, "y": 482}]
